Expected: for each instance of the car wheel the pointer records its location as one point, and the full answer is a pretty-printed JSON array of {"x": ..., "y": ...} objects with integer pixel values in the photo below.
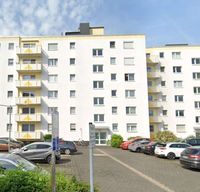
[
  {"x": 171, "y": 156},
  {"x": 67, "y": 151},
  {"x": 138, "y": 150},
  {"x": 48, "y": 159}
]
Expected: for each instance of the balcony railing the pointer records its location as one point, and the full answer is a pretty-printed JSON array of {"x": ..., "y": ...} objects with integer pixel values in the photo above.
[
  {"x": 29, "y": 67},
  {"x": 36, "y": 50},
  {"x": 153, "y": 59},
  {"x": 28, "y": 100},
  {"x": 154, "y": 89},
  {"x": 29, "y": 83},
  {"x": 155, "y": 104},
  {"x": 153, "y": 74},
  {"x": 37, "y": 135},
  {"x": 155, "y": 119},
  {"x": 28, "y": 117}
]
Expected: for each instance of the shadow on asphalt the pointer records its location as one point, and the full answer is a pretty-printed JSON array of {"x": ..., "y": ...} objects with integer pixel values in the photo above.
[{"x": 77, "y": 153}]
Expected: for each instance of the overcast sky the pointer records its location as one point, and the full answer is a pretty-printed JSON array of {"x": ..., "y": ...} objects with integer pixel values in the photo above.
[{"x": 162, "y": 21}]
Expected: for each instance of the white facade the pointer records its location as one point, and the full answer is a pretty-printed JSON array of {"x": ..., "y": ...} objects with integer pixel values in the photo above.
[{"x": 121, "y": 103}]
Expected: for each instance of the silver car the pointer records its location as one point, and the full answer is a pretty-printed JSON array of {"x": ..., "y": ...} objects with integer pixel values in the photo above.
[
  {"x": 138, "y": 146},
  {"x": 37, "y": 151}
]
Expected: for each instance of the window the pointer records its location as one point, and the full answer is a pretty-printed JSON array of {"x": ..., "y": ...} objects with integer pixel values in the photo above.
[
  {"x": 196, "y": 75},
  {"x": 131, "y": 127},
  {"x": 129, "y": 76},
  {"x": 52, "y": 78},
  {"x": 149, "y": 69},
  {"x": 161, "y": 54},
  {"x": 9, "y": 110},
  {"x": 10, "y": 94},
  {"x": 52, "y": 46},
  {"x": 129, "y": 61},
  {"x": 52, "y": 62},
  {"x": 10, "y": 78},
  {"x": 178, "y": 98},
  {"x": 72, "y": 45},
  {"x": 97, "y": 68},
  {"x": 112, "y": 60},
  {"x": 72, "y": 61},
  {"x": 11, "y": 46},
  {"x": 196, "y": 90},
  {"x": 162, "y": 69},
  {"x": 164, "y": 97},
  {"x": 113, "y": 93},
  {"x": 28, "y": 77},
  {"x": 197, "y": 104},
  {"x": 150, "y": 83},
  {"x": 52, "y": 94},
  {"x": 51, "y": 110},
  {"x": 98, "y": 117},
  {"x": 72, "y": 127},
  {"x": 165, "y": 127},
  {"x": 72, "y": 110},
  {"x": 28, "y": 94},
  {"x": 129, "y": 93},
  {"x": 29, "y": 61},
  {"x": 130, "y": 110},
  {"x": 163, "y": 83},
  {"x": 97, "y": 52},
  {"x": 151, "y": 113},
  {"x": 98, "y": 84},
  {"x": 195, "y": 61},
  {"x": 28, "y": 110},
  {"x": 72, "y": 93},
  {"x": 10, "y": 62},
  {"x": 29, "y": 45},
  {"x": 197, "y": 119},
  {"x": 72, "y": 77},
  {"x": 112, "y": 44},
  {"x": 113, "y": 76},
  {"x": 164, "y": 112},
  {"x": 179, "y": 113},
  {"x": 128, "y": 44},
  {"x": 98, "y": 101},
  {"x": 177, "y": 69},
  {"x": 180, "y": 128},
  {"x": 115, "y": 127},
  {"x": 114, "y": 110},
  {"x": 151, "y": 128},
  {"x": 178, "y": 84},
  {"x": 28, "y": 127},
  {"x": 49, "y": 127},
  {"x": 176, "y": 55},
  {"x": 150, "y": 97}
]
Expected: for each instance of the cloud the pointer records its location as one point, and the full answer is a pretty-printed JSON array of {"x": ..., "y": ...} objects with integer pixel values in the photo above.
[{"x": 44, "y": 17}]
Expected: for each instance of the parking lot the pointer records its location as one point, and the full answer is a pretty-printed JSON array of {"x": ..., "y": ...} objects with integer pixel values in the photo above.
[{"x": 116, "y": 170}]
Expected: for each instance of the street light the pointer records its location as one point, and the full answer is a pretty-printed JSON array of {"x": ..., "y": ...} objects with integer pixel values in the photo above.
[{"x": 9, "y": 107}]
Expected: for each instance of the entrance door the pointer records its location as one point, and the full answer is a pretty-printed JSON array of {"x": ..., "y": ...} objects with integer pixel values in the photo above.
[{"x": 100, "y": 137}]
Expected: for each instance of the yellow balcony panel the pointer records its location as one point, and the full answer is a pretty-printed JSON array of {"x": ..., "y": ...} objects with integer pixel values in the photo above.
[
  {"x": 35, "y": 50},
  {"x": 36, "y": 135},
  {"x": 153, "y": 89},
  {"x": 155, "y": 104},
  {"x": 37, "y": 67},
  {"x": 153, "y": 75},
  {"x": 28, "y": 100},
  {"x": 28, "y": 84},
  {"x": 28, "y": 117},
  {"x": 153, "y": 60},
  {"x": 155, "y": 119}
]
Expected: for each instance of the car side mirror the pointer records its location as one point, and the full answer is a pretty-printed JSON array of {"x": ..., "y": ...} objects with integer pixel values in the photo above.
[{"x": 25, "y": 149}]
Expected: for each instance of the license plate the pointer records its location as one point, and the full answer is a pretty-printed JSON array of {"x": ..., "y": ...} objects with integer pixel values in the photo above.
[{"x": 185, "y": 157}]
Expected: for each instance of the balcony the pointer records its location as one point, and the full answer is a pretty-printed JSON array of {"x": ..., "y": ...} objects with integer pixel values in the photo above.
[
  {"x": 153, "y": 74},
  {"x": 34, "y": 51},
  {"x": 28, "y": 84},
  {"x": 155, "y": 104},
  {"x": 28, "y": 100},
  {"x": 37, "y": 67},
  {"x": 37, "y": 135},
  {"x": 154, "y": 89},
  {"x": 155, "y": 119},
  {"x": 152, "y": 60},
  {"x": 28, "y": 117}
]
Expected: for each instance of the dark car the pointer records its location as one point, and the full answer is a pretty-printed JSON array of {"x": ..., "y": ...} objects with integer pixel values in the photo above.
[
  {"x": 67, "y": 147},
  {"x": 150, "y": 148},
  {"x": 190, "y": 157},
  {"x": 193, "y": 142}
]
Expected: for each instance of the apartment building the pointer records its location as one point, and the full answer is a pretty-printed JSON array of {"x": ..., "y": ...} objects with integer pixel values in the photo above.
[
  {"x": 86, "y": 76},
  {"x": 174, "y": 89}
]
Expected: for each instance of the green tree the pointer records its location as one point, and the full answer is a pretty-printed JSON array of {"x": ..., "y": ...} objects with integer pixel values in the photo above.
[
  {"x": 165, "y": 136},
  {"x": 116, "y": 140}
]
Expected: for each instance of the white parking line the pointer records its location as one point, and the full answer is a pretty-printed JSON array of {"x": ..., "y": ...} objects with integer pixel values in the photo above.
[{"x": 150, "y": 179}]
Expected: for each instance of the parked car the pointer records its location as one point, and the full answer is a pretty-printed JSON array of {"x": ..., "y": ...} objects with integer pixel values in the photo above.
[
  {"x": 190, "y": 157},
  {"x": 12, "y": 161},
  {"x": 19, "y": 143},
  {"x": 193, "y": 142},
  {"x": 125, "y": 144},
  {"x": 67, "y": 147},
  {"x": 4, "y": 145},
  {"x": 137, "y": 145},
  {"x": 150, "y": 147},
  {"x": 37, "y": 151},
  {"x": 170, "y": 150}
]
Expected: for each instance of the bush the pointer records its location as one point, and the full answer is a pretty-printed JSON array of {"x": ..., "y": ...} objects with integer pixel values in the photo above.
[
  {"x": 47, "y": 137},
  {"x": 35, "y": 181},
  {"x": 165, "y": 136},
  {"x": 116, "y": 140}
]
